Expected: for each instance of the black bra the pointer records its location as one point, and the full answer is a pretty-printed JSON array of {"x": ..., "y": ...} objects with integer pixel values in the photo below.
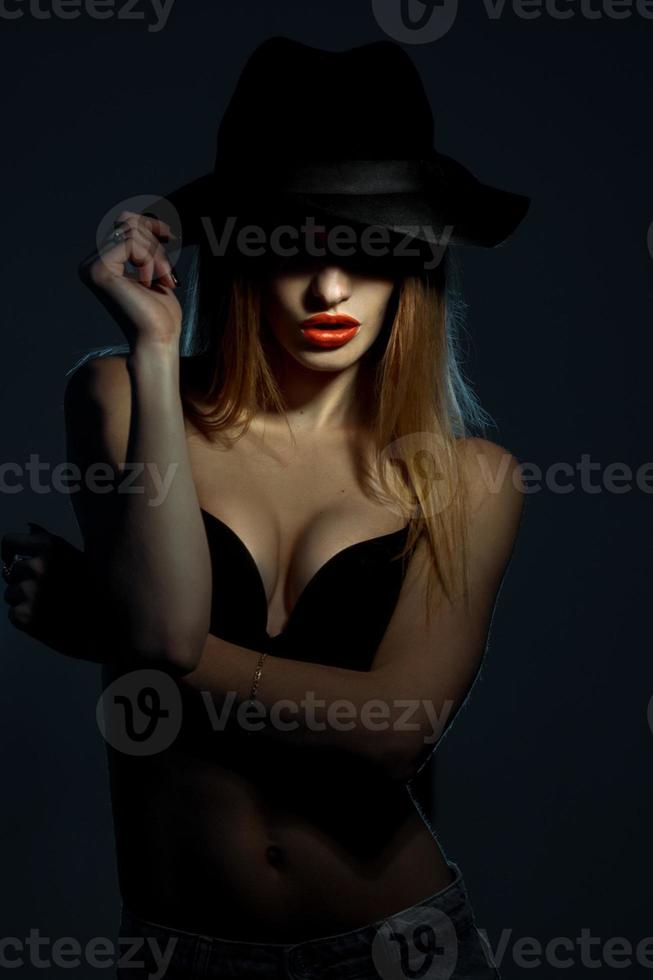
[{"x": 340, "y": 615}]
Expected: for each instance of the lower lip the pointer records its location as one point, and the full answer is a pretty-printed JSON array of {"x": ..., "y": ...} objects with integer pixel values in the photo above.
[{"x": 331, "y": 337}]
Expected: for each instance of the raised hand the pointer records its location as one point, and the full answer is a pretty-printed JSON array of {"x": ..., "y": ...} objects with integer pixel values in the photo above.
[{"x": 143, "y": 303}]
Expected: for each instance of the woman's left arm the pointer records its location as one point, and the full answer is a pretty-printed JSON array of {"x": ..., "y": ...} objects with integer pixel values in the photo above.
[{"x": 393, "y": 714}]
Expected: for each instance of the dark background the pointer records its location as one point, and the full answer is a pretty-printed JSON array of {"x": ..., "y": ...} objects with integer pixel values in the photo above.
[{"x": 544, "y": 782}]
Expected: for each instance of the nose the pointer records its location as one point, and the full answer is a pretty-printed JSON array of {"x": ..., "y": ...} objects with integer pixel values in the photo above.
[{"x": 331, "y": 285}]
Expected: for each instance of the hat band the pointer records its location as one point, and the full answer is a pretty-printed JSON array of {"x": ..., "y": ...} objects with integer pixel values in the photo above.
[{"x": 348, "y": 177}]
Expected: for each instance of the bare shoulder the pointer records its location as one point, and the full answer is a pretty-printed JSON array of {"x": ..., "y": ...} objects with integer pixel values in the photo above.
[
  {"x": 97, "y": 409},
  {"x": 496, "y": 494},
  {"x": 101, "y": 379},
  {"x": 493, "y": 475}
]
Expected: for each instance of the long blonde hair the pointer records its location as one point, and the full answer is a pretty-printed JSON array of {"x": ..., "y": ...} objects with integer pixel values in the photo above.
[{"x": 418, "y": 402}]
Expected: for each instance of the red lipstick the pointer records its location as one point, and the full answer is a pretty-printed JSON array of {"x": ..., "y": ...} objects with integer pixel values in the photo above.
[{"x": 330, "y": 329}]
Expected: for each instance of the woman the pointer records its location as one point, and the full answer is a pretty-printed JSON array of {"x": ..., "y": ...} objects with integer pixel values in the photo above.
[{"x": 314, "y": 536}]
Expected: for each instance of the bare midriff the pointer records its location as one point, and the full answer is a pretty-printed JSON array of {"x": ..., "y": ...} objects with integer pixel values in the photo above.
[{"x": 206, "y": 850}]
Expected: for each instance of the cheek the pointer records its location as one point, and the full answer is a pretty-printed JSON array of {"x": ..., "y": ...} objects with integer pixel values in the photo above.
[
  {"x": 281, "y": 299},
  {"x": 377, "y": 301}
]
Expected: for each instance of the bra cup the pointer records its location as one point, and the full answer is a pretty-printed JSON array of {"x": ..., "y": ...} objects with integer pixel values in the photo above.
[{"x": 339, "y": 618}]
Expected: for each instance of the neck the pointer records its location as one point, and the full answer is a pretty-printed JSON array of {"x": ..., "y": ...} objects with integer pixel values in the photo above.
[{"x": 318, "y": 401}]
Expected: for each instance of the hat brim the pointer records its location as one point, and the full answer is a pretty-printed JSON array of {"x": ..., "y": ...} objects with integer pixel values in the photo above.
[
  {"x": 477, "y": 215},
  {"x": 485, "y": 219}
]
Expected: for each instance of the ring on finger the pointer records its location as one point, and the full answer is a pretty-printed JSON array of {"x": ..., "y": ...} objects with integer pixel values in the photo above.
[{"x": 7, "y": 569}]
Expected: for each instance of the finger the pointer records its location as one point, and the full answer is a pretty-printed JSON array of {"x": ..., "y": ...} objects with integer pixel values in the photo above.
[
  {"x": 19, "y": 616},
  {"x": 148, "y": 256},
  {"x": 16, "y": 543},
  {"x": 23, "y": 570},
  {"x": 14, "y": 595},
  {"x": 155, "y": 263},
  {"x": 147, "y": 220},
  {"x": 107, "y": 264},
  {"x": 168, "y": 279},
  {"x": 144, "y": 269},
  {"x": 162, "y": 224},
  {"x": 137, "y": 245},
  {"x": 157, "y": 225},
  {"x": 162, "y": 271},
  {"x": 10, "y": 572},
  {"x": 118, "y": 246}
]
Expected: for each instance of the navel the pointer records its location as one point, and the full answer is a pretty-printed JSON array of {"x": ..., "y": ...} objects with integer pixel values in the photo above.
[{"x": 275, "y": 855}]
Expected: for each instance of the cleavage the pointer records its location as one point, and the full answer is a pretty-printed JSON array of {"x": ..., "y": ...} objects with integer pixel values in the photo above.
[
  {"x": 282, "y": 591},
  {"x": 285, "y": 573}
]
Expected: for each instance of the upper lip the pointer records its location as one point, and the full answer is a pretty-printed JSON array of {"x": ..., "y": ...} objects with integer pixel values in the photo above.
[{"x": 331, "y": 319}]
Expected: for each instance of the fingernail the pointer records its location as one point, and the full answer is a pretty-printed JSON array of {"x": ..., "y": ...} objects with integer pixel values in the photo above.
[{"x": 174, "y": 277}]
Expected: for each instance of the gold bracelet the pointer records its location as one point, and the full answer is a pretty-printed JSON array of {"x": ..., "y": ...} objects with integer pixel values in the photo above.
[{"x": 257, "y": 676}]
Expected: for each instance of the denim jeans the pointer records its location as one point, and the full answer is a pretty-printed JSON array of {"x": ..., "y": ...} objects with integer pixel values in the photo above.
[{"x": 436, "y": 939}]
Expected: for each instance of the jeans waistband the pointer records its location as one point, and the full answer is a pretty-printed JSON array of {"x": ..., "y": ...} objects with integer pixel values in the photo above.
[{"x": 449, "y": 903}]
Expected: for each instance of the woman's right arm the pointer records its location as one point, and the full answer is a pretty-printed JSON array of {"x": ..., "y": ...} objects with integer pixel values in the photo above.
[{"x": 144, "y": 539}]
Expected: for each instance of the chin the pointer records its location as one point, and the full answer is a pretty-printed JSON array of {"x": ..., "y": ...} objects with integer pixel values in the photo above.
[
  {"x": 314, "y": 357},
  {"x": 324, "y": 360}
]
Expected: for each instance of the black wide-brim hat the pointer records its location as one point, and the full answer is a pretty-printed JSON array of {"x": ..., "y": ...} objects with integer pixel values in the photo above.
[{"x": 346, "y": 136}]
